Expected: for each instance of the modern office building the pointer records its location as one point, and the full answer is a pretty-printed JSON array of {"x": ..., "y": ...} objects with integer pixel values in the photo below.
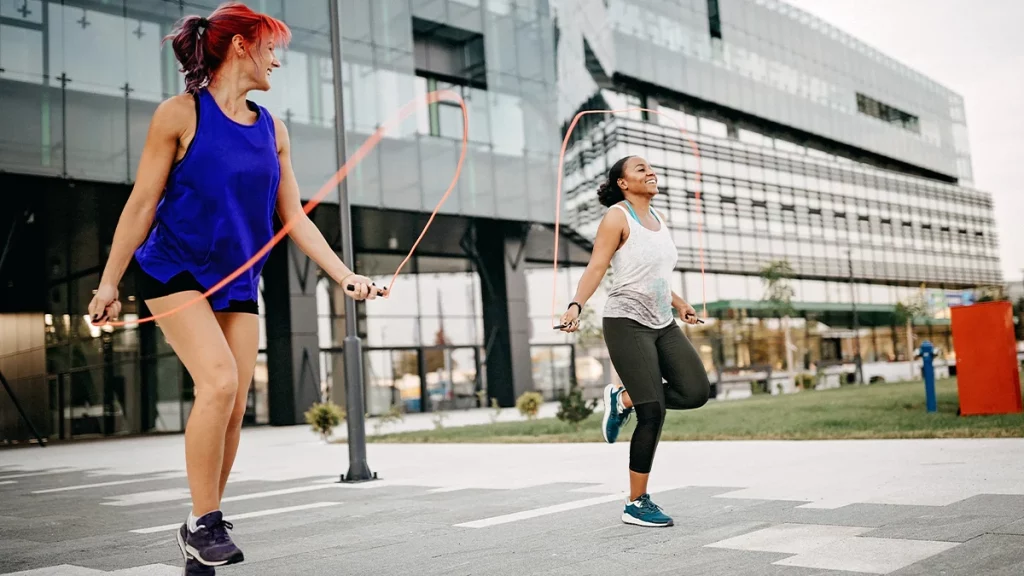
[
  {"x": 812, "y": 145},
  {"x": 79, "y": 81},
  {"x": 814, "y": 149}
]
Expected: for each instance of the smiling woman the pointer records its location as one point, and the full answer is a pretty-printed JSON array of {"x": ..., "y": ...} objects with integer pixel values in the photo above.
[{"x": 214, "y": 170}]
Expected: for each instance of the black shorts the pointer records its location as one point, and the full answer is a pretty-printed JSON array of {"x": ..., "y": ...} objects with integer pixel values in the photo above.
[{"x": 150, "y": 288}]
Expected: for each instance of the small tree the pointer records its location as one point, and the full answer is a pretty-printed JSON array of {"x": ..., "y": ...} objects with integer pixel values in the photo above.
[
  {"x": 905, "y": 313},
  {"x": 590, "y": 334},
  {"x": 574, "y": 409},
  {"x": 394, "y": 414},
  {"x": 778, "y": 293}
]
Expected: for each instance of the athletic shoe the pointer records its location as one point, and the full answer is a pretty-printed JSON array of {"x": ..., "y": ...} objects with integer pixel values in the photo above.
[
  {"x": 192, "y": 566},
  {"x": 643, "y": 512},
  {"x": 614, "y": 418},
  {"x": 211, "y": 545}
]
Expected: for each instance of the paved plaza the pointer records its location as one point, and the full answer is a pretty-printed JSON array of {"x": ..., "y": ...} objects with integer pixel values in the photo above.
[{"x": 837, "y": 508}]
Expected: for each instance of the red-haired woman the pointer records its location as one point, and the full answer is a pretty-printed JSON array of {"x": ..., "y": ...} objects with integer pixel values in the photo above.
[{"x": 214, "y": 169}]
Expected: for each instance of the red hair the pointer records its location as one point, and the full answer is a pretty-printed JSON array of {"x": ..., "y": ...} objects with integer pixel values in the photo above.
[{"x": 202, "y": 44}]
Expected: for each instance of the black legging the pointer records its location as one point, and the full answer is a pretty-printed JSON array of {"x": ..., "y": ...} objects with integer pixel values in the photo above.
[{"x": 642, "y": 356}]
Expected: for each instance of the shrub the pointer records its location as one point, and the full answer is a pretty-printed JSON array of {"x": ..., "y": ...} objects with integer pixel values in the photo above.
[
  {"x": 529, "y": 404},
  {"x": 323, "y": 417},
  {"x": 574, "y": 409},
  {"x": 394, "y": 414},
  {"x": 805, "y": 381},
  {"x": 438, "y": 420},
  {"x": 495, "y": 410}
]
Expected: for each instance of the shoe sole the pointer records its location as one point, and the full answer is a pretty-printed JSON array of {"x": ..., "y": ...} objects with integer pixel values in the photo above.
[
  {"x": 184, "y": 554},
  {"x": 628, "y": 519},
  {"x": 607, "y": 411}
]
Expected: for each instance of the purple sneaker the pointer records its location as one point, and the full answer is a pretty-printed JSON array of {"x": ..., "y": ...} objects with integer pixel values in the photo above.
[
  {"x": 193, "y": 567},
  {"x": 211, "y": 545}
]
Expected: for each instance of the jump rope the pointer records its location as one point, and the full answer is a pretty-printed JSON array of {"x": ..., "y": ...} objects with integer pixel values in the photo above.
[{"x": 374, "y": 140}]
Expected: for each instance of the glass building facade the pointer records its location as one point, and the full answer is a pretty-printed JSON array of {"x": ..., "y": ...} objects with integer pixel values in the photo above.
[
  {"x": 79, "y": 81},
  {"x": 806, "y": 145},
  {"x": 814, "y": 148}
]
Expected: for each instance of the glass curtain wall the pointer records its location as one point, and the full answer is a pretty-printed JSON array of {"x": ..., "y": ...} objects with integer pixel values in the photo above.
[
  {"x": 766, "y": 199},
  {"x": 424, "y": 347}
]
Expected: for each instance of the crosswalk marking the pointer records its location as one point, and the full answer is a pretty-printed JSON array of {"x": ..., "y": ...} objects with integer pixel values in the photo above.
[
  {"x": 30, "y": 474},
  {"x": 70, "y": 570},
  {"x": 257, "y": 514},
  {"x": 106, "y": 484},
  {"x": 527, "y": 514},
  {"x": 62, "y": 570}
]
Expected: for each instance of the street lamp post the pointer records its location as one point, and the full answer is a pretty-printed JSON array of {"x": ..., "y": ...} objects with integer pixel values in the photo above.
[
  {"x": 856, "y": 322},
  {"x": 358, "y": 469}
]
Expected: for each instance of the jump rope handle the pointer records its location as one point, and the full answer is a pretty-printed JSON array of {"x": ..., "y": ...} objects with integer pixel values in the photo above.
[{"x": 351, "y": 287}]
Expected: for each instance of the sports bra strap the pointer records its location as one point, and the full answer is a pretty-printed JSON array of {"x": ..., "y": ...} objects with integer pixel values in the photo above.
[{"x": 633, "y": 213}]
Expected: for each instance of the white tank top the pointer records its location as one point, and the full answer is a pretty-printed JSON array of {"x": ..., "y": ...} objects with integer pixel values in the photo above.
[{"x": 642, "y": 274}]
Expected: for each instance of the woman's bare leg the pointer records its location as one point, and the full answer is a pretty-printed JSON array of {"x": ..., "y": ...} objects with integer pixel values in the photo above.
[
  {"x": 242, "y": 332},
  {"x": 199, "y": 342}
]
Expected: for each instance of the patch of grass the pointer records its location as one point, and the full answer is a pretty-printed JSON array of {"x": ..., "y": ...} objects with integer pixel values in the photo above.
[{"x": 851, "y": 412}]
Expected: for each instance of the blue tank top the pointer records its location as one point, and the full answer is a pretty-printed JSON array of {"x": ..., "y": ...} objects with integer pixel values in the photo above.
[{"x": 218, "y": 205}]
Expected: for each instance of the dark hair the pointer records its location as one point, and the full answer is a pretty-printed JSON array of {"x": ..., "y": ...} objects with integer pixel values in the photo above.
[
  {"x": 202, "y": 44},
  {"x": 609, "y": 193}
]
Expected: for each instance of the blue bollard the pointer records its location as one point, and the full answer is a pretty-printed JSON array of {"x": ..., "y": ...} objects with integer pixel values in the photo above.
[{"x": 928, "y": 371}]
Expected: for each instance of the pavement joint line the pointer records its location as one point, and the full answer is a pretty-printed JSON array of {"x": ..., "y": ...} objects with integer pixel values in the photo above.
[{"x": 256, "y": 514}]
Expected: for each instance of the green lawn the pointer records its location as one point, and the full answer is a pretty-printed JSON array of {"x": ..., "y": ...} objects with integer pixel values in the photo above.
[{"x": 876, "y": 411}]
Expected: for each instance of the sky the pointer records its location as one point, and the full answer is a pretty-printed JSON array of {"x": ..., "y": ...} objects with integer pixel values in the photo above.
[{"x": 975, "y": 48}]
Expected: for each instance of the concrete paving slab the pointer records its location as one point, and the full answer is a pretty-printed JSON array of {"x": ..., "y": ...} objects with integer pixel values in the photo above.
[{"x": 867, "y": 496}]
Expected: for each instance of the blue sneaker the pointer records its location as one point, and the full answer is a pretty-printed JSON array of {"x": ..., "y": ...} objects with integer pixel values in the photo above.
[
  {"x": 643, "y": 512},
  {"x": 192, "y": 566},
  {"x": 211, "y": 545},
  {"x": 614, "y": 418}
]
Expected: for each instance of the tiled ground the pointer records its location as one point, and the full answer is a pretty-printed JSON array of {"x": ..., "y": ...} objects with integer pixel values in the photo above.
[{"x": 758, "y": 509}]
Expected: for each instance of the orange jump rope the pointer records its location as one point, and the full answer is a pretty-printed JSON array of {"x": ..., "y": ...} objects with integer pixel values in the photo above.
[
  {"x": 330, "y": 185},
  {"x": 558, "y": 200},
  {"x": 374, "y": 140}
]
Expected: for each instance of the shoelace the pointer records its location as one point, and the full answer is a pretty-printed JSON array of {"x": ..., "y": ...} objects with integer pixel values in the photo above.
[
  {"x": 645, "y": 502},
  {"x": 220, "y": 531}
]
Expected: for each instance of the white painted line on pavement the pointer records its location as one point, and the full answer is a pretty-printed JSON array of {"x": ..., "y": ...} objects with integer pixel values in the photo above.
[
  {"x": 29, "y": 474},
  {"x": 149, "y": 497},
  {"x": 148, "y": 570},
  {"x": 62, "y": 570},
  {"x": 257, "y": 514},
  {"x": 298, "y": 490},
  {"x": 6, "y": 482},
  {"x": 281, "y": 492},
  {"x": 526, "y": 515},
  {"x": 105, "y": 484},
  {"x": 447, "y": 489}
]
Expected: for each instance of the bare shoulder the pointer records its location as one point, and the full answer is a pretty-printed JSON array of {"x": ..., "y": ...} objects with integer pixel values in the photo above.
[
  {"x": 614, "y": 217},
  {"x": 280, "y": 133},
  {"x": 177, "y": 110},
  {"x": 613, "y": 222}
]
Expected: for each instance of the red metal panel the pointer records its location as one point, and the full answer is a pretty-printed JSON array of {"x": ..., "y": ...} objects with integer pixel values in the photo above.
[{"x": 988, "y": 377}]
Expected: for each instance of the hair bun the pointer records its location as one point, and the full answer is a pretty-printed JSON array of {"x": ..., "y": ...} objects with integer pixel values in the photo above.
[{"x": 609, "y": 194}]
